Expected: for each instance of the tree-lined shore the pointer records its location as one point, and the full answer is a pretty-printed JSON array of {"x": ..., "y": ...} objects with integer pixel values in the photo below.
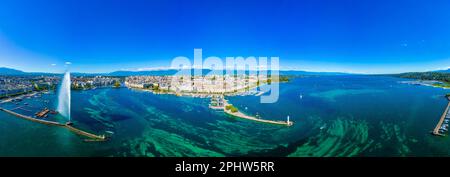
[
  {"x": 443, "y": 78},
  {"x": 438, "y": 76}
]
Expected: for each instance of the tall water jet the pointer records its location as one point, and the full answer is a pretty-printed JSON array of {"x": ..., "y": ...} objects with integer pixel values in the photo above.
[{"x": 64, "y": 97}]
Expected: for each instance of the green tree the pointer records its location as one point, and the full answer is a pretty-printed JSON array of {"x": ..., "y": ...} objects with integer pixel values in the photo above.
[
  {"x": 36, "y": 87},
  {"x": 231, "y": 108},
  {"x": 117, "y": 84},
  {"x": 234, "y": 109},
  {"x": 155, "y": 87}
]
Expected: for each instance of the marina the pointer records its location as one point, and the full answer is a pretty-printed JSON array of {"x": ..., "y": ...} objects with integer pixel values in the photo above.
[
  {"x": 68, "y": 126},
  {"x": 442, "y": 126},
  {"x": 44, "y": 111}
]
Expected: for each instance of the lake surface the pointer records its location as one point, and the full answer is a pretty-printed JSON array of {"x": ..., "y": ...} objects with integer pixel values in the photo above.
[{"x": 333, "y": 115}]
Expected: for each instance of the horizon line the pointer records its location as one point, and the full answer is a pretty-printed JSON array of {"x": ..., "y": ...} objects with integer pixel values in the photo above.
[{"x": 168, "y": 69}]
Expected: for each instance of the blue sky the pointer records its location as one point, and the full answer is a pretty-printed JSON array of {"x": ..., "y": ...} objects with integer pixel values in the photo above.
[{"x": 379, "y": 36}]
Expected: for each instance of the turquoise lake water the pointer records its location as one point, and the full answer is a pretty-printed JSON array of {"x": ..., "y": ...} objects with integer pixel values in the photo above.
[{"x": 333, "y": 115}]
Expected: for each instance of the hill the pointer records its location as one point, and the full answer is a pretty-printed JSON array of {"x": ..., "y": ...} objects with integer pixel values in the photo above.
[{"x": 9, "y": 71}]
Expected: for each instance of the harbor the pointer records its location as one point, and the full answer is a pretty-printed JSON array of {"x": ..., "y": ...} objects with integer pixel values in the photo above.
[
  {"x": 92, "y": 137},
  {"x": 143, "y": 120},
  {"x": 23, "y": 105}
]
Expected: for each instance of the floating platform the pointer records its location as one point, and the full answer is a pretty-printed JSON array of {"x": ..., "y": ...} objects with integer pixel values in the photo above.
[{"x": 43, "y": 113}]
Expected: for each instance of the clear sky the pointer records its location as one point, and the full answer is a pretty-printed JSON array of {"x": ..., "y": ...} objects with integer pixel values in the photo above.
[{"x": 362, "y": 36}]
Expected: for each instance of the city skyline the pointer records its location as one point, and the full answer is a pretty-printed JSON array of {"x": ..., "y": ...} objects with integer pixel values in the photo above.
[{"x": 367, "y": 37}]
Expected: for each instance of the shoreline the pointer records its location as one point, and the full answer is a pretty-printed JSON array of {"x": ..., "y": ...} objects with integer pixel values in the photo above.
[
  {"x": 428, "y": 83},
  {"x": 21, "y": 96}
]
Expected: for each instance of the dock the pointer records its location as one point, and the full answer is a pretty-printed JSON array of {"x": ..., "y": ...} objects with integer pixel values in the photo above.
[
  {"x": 441, "y": 121},
  {"x": 18, "y": 97},
  {"x": 260, "y": 93},
  {"x": 92, "y": 137}
]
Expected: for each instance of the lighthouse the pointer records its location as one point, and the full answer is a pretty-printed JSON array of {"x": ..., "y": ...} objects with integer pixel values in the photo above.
[{"x": 288, "y": 120}]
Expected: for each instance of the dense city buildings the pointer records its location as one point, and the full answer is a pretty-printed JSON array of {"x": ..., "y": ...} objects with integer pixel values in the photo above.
[
  {"x": 93, "y": 82},
  {"x": 211, "y": 84},
  {"x": 16, "y": 85}
]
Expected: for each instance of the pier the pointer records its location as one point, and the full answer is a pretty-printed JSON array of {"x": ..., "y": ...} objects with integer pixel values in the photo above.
[
  {"x": 92, "y": 137},
  {"x": 242, "y": 115},
  {"x": 86, "y": 134},
  {"x": 223, "y": 103},
  {"x": 441, "y": 121},
  {"x": 260, "y": 93}
]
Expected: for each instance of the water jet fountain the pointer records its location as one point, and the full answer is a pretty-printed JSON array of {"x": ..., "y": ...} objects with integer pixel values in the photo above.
[
  {"x": 64, "y": 110},
  {"x": 64, "y": 98}
]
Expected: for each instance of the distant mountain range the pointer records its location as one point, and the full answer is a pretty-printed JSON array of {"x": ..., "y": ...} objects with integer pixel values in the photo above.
[
  {"x": 444, "y": 71},
  {"x": 14, "y": 72},
  {"x": 172, "y": 72},
  {"x": 9, "y": 71},
  {"x": 142, "y": 73}
]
